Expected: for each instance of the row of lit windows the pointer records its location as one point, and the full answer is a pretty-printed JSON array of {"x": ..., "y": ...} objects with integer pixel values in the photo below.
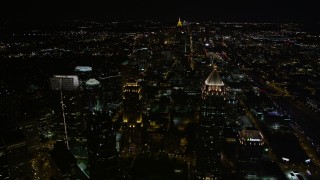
[{"x": 132, "y": 90}]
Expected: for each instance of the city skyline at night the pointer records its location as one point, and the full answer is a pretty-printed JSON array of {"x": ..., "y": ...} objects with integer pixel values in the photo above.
[{"x": 159, "y": 90}]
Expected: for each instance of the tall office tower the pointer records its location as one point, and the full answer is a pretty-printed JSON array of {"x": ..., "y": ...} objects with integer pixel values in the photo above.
[
  {"x": 103, "y": 158},
  {"x": 211, "y": 126},
  {"x": 143, "y": 56},
  {"x": 207, "y": 35},
  {"x": 132, "y": 104},
  {"x": 182, "y": 37},
  {"x": 132, "y": 116},
  {"x": 93, "y": 95},
  {"x": 179, "y": 24},
  {"x": 250, "y": 150}
]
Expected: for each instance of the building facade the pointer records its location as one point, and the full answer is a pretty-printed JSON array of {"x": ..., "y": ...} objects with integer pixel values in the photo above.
[
  {"x": 211, "y": 126},
  {"x": 102, "y": 152},
  {"x": 132, "y": 115}
]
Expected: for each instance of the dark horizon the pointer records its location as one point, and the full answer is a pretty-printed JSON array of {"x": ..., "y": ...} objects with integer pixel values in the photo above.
[{"x": 228, "y": 11}]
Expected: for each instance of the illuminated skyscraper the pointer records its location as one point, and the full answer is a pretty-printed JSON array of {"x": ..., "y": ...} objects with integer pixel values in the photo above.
[
  {"x": 250, "y": 150},
  {"x": 211, "y": 126},
  {"x": 179, "y": 24},
  {"x": 132, "y": 116},
  {"x": 101, "y": 137},
  {"x": 132, "y": 104},
  {"x": 93, "y": 95},
  {"x": 182, "y": 37}
]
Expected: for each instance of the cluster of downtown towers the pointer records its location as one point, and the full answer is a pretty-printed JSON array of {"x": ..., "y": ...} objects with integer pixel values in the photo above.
[
  {"x": 119, "y": 135},
  {"x": 105, "y": 145}
]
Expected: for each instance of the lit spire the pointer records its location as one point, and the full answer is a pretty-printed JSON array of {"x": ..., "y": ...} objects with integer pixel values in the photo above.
[{"x": 179, "y": 23}]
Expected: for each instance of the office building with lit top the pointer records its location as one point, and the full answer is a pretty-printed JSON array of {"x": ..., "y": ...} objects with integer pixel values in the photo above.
[
  {"x": 211, "y": 126},
  {"x": 250, "y": 150},
  {"x": 132, "y": 104},
  {"x": 84, "y": 73},
  {"x": 183, "y": 37},
  {"x": 101, "y": 139},
  {"x": 84, "y": 70},
  {"x": 93, "y": 95}
]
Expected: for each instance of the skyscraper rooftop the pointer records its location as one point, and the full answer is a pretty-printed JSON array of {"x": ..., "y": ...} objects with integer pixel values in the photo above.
[
  {"x": 214, "y": 78},
  {"x": 179, "y": 23},
  {"x": 92, "y": 82}
]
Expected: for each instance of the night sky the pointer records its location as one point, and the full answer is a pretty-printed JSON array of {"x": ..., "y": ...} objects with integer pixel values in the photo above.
[{"x": 223, "y": 10}]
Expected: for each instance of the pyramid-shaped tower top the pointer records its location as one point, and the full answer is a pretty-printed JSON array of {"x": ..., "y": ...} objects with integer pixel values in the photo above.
[
  {"x": 179, "y": 23},
  {"x": 214, "y": 78}
]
